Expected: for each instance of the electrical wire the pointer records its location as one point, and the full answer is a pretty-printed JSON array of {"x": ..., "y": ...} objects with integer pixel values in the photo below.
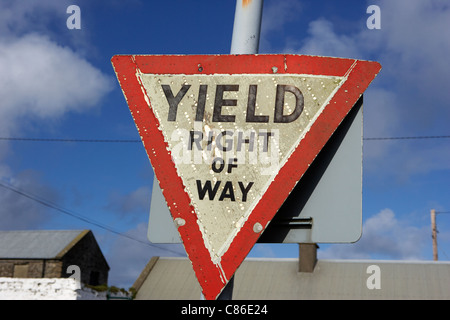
[
  {"x": 78, "y": 216},
  {"x": 137, "y": 140},
  {"x": 408, "y": 138},
  {"x": 69, "y": 140}
]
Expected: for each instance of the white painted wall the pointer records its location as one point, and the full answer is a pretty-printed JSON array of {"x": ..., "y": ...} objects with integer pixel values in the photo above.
[{"x": 46, "y": 289}]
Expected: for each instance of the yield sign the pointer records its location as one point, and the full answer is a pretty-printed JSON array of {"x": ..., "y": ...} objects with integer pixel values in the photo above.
[{"x": 229, "y": 136}]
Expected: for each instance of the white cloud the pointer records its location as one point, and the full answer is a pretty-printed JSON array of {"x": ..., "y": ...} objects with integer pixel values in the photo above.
[
  {"x": 410, "y": 95},
  {"x": 384, "y": 236},
  {"x": 41, "y": 80},
  {"x": 324, "y": 41},
  {"x": 18, "y": 17},
  {"x": 414, "y": 49}
]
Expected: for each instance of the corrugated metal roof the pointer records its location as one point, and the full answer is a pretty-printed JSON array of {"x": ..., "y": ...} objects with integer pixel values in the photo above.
[
  {"x": 35, "y": 244},
  {"x": 258, "y": 279}
]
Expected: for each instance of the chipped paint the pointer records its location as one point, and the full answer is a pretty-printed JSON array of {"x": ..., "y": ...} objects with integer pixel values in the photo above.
[
  {"x": 144, "y": 94},
  {"x": 245, "y": 3},
  {"x": 218, "y": 229},
  {"x": 218, "y": 233},
  {"x": 223, "y": 276}
]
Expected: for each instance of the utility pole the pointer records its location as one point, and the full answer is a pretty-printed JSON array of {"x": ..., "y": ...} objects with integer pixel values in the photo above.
[
  {"x": 434, "y": 234},
  {"x": 247, "y": 27}
]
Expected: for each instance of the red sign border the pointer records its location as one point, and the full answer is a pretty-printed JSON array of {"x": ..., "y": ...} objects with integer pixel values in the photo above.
[{"x": 357, "y": 75}]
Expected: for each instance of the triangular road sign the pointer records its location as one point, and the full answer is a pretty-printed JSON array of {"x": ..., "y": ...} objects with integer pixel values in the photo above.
[{"x": 229, "y": 136}]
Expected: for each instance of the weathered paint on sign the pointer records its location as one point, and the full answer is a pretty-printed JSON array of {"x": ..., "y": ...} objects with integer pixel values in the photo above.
[{"x": 230, "y": 136}]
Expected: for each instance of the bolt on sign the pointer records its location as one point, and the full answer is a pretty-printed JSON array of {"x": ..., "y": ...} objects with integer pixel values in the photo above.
[{"x": 229, "y": 136}]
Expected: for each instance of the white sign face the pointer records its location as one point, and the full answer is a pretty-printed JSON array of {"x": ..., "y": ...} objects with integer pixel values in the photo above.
[
  {"x": 229, "y": 135},
  {"x": 340, "y": 184}
]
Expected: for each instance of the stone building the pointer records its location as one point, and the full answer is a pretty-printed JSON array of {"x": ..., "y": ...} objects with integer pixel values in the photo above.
[{"x": 49, "y": 253}]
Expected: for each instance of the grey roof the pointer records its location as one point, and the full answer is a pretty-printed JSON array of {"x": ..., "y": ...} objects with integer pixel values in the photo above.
[
  {"x": 36, "y": 244},
  {"x": 279, "y": 279}
]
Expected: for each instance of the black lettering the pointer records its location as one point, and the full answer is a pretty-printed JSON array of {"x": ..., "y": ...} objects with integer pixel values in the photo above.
[
  {"x": 214, "y": 166},
  {"x": 201, "y": 102},
  {"x": 245, "y": 190},
  {"x": 227, "y": 192},
  {"x": 279, "y": 117},
  {"x": 265, "y": 136},
  {"x": 174, "y": 101},
  {"x": 251, "y": 105},
  {"x": 228, "y": 142},
  {"x": 219, "y": 102},
  {"x": 197, "y": 140},
  {"x": 241, "y": 140},
  {"x": 232, "y": 165},
  {"x": 202, "y": 190},
  {"x": 210, "y": 140}
]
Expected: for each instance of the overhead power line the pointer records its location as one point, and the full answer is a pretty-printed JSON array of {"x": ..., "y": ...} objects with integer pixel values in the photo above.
[
  {"x": 408, "y": 138},
  {"x": 70, "y": 140},
  {"x": 138, "y": 140},
  {"x": 78, "y": 216}
]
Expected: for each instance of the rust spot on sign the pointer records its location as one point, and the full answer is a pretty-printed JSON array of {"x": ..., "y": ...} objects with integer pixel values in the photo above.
[{"x": 245, "y": 3}]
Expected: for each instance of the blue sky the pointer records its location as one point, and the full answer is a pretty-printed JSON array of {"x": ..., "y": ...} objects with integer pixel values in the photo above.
[{"x": 58, "y": 83}]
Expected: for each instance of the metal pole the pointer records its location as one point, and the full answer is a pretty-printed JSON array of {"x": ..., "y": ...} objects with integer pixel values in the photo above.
[
  {"x": 434, "y": 234},
  {"x": 247, "y": 27},
  {"x": 245, "y": 40}
]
